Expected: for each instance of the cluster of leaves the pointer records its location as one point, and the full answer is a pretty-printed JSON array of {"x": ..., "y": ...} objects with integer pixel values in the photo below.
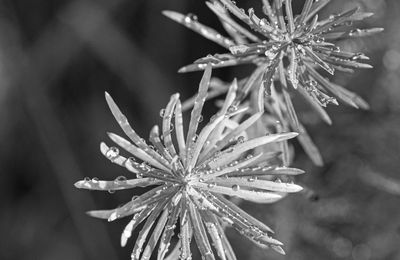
[
  {"x": 287, "y": 55},
  {"x": 243, "y": 150}
]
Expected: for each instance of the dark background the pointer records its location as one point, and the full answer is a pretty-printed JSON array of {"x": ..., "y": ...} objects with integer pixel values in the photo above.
[{"x": 58, "y": 57}]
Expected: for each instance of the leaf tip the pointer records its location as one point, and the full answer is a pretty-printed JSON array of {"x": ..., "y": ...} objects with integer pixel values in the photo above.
[
  {"x": 171, "y": 15},
  {"x": 78, "y": 184},
  {"x": 103, "y": 148},
  {"x": 291, "y": 135},
  {"x": 107, "y": 95},
  {"x": 183, "y": 70},
  {"x": 278, "y": 249}
]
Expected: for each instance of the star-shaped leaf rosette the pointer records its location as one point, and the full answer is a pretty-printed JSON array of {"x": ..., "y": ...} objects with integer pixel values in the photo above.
[
  {"x": 188, "y": 182},
  {"x": 290, "y": 51}
]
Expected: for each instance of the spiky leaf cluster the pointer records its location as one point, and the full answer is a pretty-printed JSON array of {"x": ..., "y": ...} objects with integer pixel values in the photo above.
[
  {"x": 188, "y": 182},
  {"x": 290, "y": 51},
  {"x": 307, "y": 43}
]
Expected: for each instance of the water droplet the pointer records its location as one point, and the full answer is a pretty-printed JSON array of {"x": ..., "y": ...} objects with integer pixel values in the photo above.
[
  {"x": 312, "y": 83},
  {"x": 162, "y": 112},
  {"x": 235, "y": 187},
  {"x": 86, "y": 179},
  {"x": 112, "y": 153},
  {"x": 211, "y": 185},
  {"x": 111, "y": 191},
  {"x": 357, "y": 56},
  {"x": 144, "y": 166},
  {"x": 229, "y": 150},
  {"x": 95, "y": 180},
  {"x": 190, "y": 18},
  {"x": 232, "y": 109},
  {"x": 294, "y": 80},
  {"x": 263, "y": 22},
  {"x": 240, "y": 139},
  {"x": 120, "y": 179},
  {"x": 131, "y": 160},
  {"x": 122, "y": 119},
  {"x": 270, "y": 54},
  {"x": 238, "y": 49},
  {"x": 200, "y": 119},
  {"x": 252, "y": 179}
]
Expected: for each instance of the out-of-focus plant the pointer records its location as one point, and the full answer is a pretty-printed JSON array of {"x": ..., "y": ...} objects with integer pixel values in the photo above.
[{"x": 243, "y": 150}]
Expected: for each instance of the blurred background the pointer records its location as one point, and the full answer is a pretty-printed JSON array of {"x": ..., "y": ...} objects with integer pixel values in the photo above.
[{"x": 57, "y": 58}]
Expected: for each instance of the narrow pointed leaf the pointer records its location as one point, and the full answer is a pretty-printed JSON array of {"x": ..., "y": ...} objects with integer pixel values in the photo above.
[
  {"x": 228, "y": 250},
  {"x": 155, "y": 236},
  {"x": 235, "y": 132},
  {"x": 202, "y": 139},
  {"x": 198, "y": 106},
  {"x": 211, "y": 226},
  {"x": 220, "y": 12},
  {"x": 169, "y": 230},
  {"x": 253, "y": 81},
  {"x": 114, "y": 185},
  {"x": 205, "y": 31},
  {"x": 135, "y": 151},
  {"x": 151, "y": 220},
  {"x": 174, "y": 253},
  {"x": 156, "y": 141},
  {"x": 289, "y": 14},
  {"x": 315, "y": 8},
  {"x": 247, "y": 217},
  {"x": 293, "y": 68},
  {"x": 247, "y": 228},
  {"x": 248, "y": 145},
  {"x": 136, "y": 220},
  {"x": 320, "y": 110},
  {"x": 253, "y": 172},
  {"x": 167, "y": 127},
  {"x": 259, "y": 184},
  {"x": 124, "y": 124},
  {"x": 253, "y": 196},
  {"x": 180, "y": 136},
  {"x": 231, "y": 168},
  {"x": 364, "y": 32},
  {"x": 186, "y": 236},
  {"x": 309, "y": 147},
  {"x": 318, "y": 60},
  {"x": 305, "y": 11},
  {"x": 200, "y": 234}
]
